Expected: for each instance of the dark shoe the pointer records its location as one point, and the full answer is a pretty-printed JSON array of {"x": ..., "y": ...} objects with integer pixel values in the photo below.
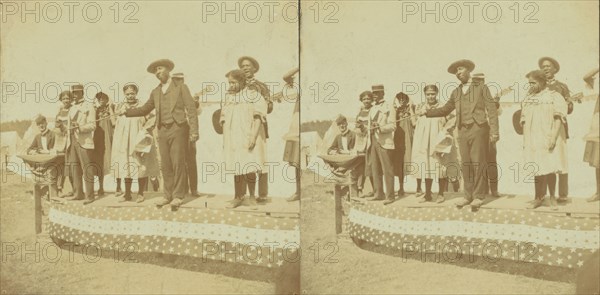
[
  {"x": 423, "y": 199},
  {"x": 400, "y": 193},
  {"x": 440, "y": 199},
  {"x": 100, "y": 192},
  {"x": 88, "y": 201},
  {"x": 140, "y": 198},
  {"x": 176, "y": 203},
  {"x": 553, "y": 205},
  {"x": 419, "y": 191},
  {"x": 155, "y": 183},
  {"x": 251, "y": 202},
  {"x": 294, "y": 197},
  {"x": 388, "y": 201},
  {"x": 124, "y": 198},
  {"x": 593, "y": 198},
  {"x": 369, "y": 195},
  {"x": 495, "y": 194},
  {"x": 163, "y": 202},
  {"x": 462, "y": 203},
  {"x": 195, "y": 194},
  {"x": 536, "y": 203},
  {"x": 236, "y": 203},
  {"x": 562, "y": 200},
  {"x": 476, "y": 204},
  {"x": 67, "y": 195}
]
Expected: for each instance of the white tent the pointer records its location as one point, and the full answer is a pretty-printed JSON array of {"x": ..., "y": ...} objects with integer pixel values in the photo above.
[{"x": 10, "y": 141}]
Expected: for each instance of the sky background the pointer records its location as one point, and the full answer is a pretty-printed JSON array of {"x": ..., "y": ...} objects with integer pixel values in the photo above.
[
  {"x": 110, "y": 54},
  {"x": 371, "y": 44}
]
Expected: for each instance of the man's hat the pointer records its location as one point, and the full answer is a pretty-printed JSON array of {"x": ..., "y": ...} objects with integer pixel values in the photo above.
[
  {"x": 77, "y": 87},
  {"x": 161, "y": 62},
  {"x": 216, "y": 120},
  {"x": 101, "y": 95},
  {"x": 251, "y": 59},
  {"x": 177, "y": 75},
  {"x": 552, "y": 60},
  {"x": 461, "y": 63},
  {"x": 378, "y": 87}
]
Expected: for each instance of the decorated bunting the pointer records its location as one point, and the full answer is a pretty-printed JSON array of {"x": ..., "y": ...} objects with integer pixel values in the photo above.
[
  {"x": 214, "y": 234},
  {"x": 445, "y": 233}
]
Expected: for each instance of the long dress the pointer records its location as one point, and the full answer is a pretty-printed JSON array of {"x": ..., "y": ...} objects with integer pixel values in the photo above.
[
  {"x": 362, "y": 119},
  {"x": 591, "y": 154},
  {"x": 403, "y": 139},
  {"x": 126, "y": 161},
  {"x": 537, "y": 115},
  {"x": 238, "y": 115},
  {"x": 103, "y": 137},
  {"x": 424, "y": 156}
]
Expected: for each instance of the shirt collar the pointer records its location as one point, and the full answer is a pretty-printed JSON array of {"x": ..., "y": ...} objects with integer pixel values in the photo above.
[{"x": 45, "y": 132}]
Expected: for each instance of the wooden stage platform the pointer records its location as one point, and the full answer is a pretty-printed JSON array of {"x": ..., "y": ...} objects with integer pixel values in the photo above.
[
  {"x": 503, "y": 228},
  {"x": 573, "y": 206},
  {"x": 273, "y": 205}
]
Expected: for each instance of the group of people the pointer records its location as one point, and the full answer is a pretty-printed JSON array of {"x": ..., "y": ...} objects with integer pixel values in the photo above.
[
  {"x": 133, "y": 140},
  {"x": 458, "y": 139}
]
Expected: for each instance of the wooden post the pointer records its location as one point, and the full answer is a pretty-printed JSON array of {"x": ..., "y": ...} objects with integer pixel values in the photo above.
[
  {"x": 338, "y": 209},
  {"x": 37, "y": 197}
]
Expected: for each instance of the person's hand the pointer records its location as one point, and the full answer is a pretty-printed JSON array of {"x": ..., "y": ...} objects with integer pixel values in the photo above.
[
  {"x": 44, "y": 152},
  {"x": 494, "y": 138},
  {"x": 551, "y": 143},
  {"x": 74, "y": 125},
  {"x": 121, "y": 111},
  {"x": 332, "y": 152},
  {"x": 252, "y": 143},
  {"x": 374, "y": 125},
  {"x": 193, "y": 137}
]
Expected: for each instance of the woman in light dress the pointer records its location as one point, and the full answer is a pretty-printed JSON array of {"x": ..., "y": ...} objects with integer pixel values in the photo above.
[
  {"x": 424, "y": 153},
  {"x": 244, "y": 141},
  {"x": 542, "y": 113},
  {"x": 133, "y": 153}
]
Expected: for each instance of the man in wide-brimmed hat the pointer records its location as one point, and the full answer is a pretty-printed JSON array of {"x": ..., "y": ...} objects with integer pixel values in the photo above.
[
  {"x": 477, "y": 124},
  {"x": 80, "y": 145},
  {"x": 550, "y": 67},
  {"x": 250, "y": 67},
  {"x": 380, "y": 145},
  {"x": 177, "y": 124}
]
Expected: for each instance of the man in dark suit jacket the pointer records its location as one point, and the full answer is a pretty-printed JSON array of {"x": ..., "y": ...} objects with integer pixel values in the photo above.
[
  {"x": 344, "y": 142},
  {"x": 477, "y": 124},
  {"x": 177, "y": 124},
  {"x": 344, "y": 145},
  {"x": 44, "y": 141}
]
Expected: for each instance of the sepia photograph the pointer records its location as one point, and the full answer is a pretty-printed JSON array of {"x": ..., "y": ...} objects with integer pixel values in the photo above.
[
  {"x": 150, "y": 147},
  {"x": 299, "y": 147},
  {"x": 450, "y": 148}
]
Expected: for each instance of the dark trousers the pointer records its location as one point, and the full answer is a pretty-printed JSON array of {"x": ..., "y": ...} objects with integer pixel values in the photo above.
[
  {"x": 263, "y": 185},
  {"x": 563, "y": 184},
  {"x": 173, "y": 142},
  {"x": 192, "y": 167},
  {"x": 82, "y": 170},
  {"x": 492, "y": 169},
  {"x": 473, "y": 142},
  {"x": 243, "y": 184},
  {"x": 381, "y": 165},
  {"x": 540, "y": 186}
]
